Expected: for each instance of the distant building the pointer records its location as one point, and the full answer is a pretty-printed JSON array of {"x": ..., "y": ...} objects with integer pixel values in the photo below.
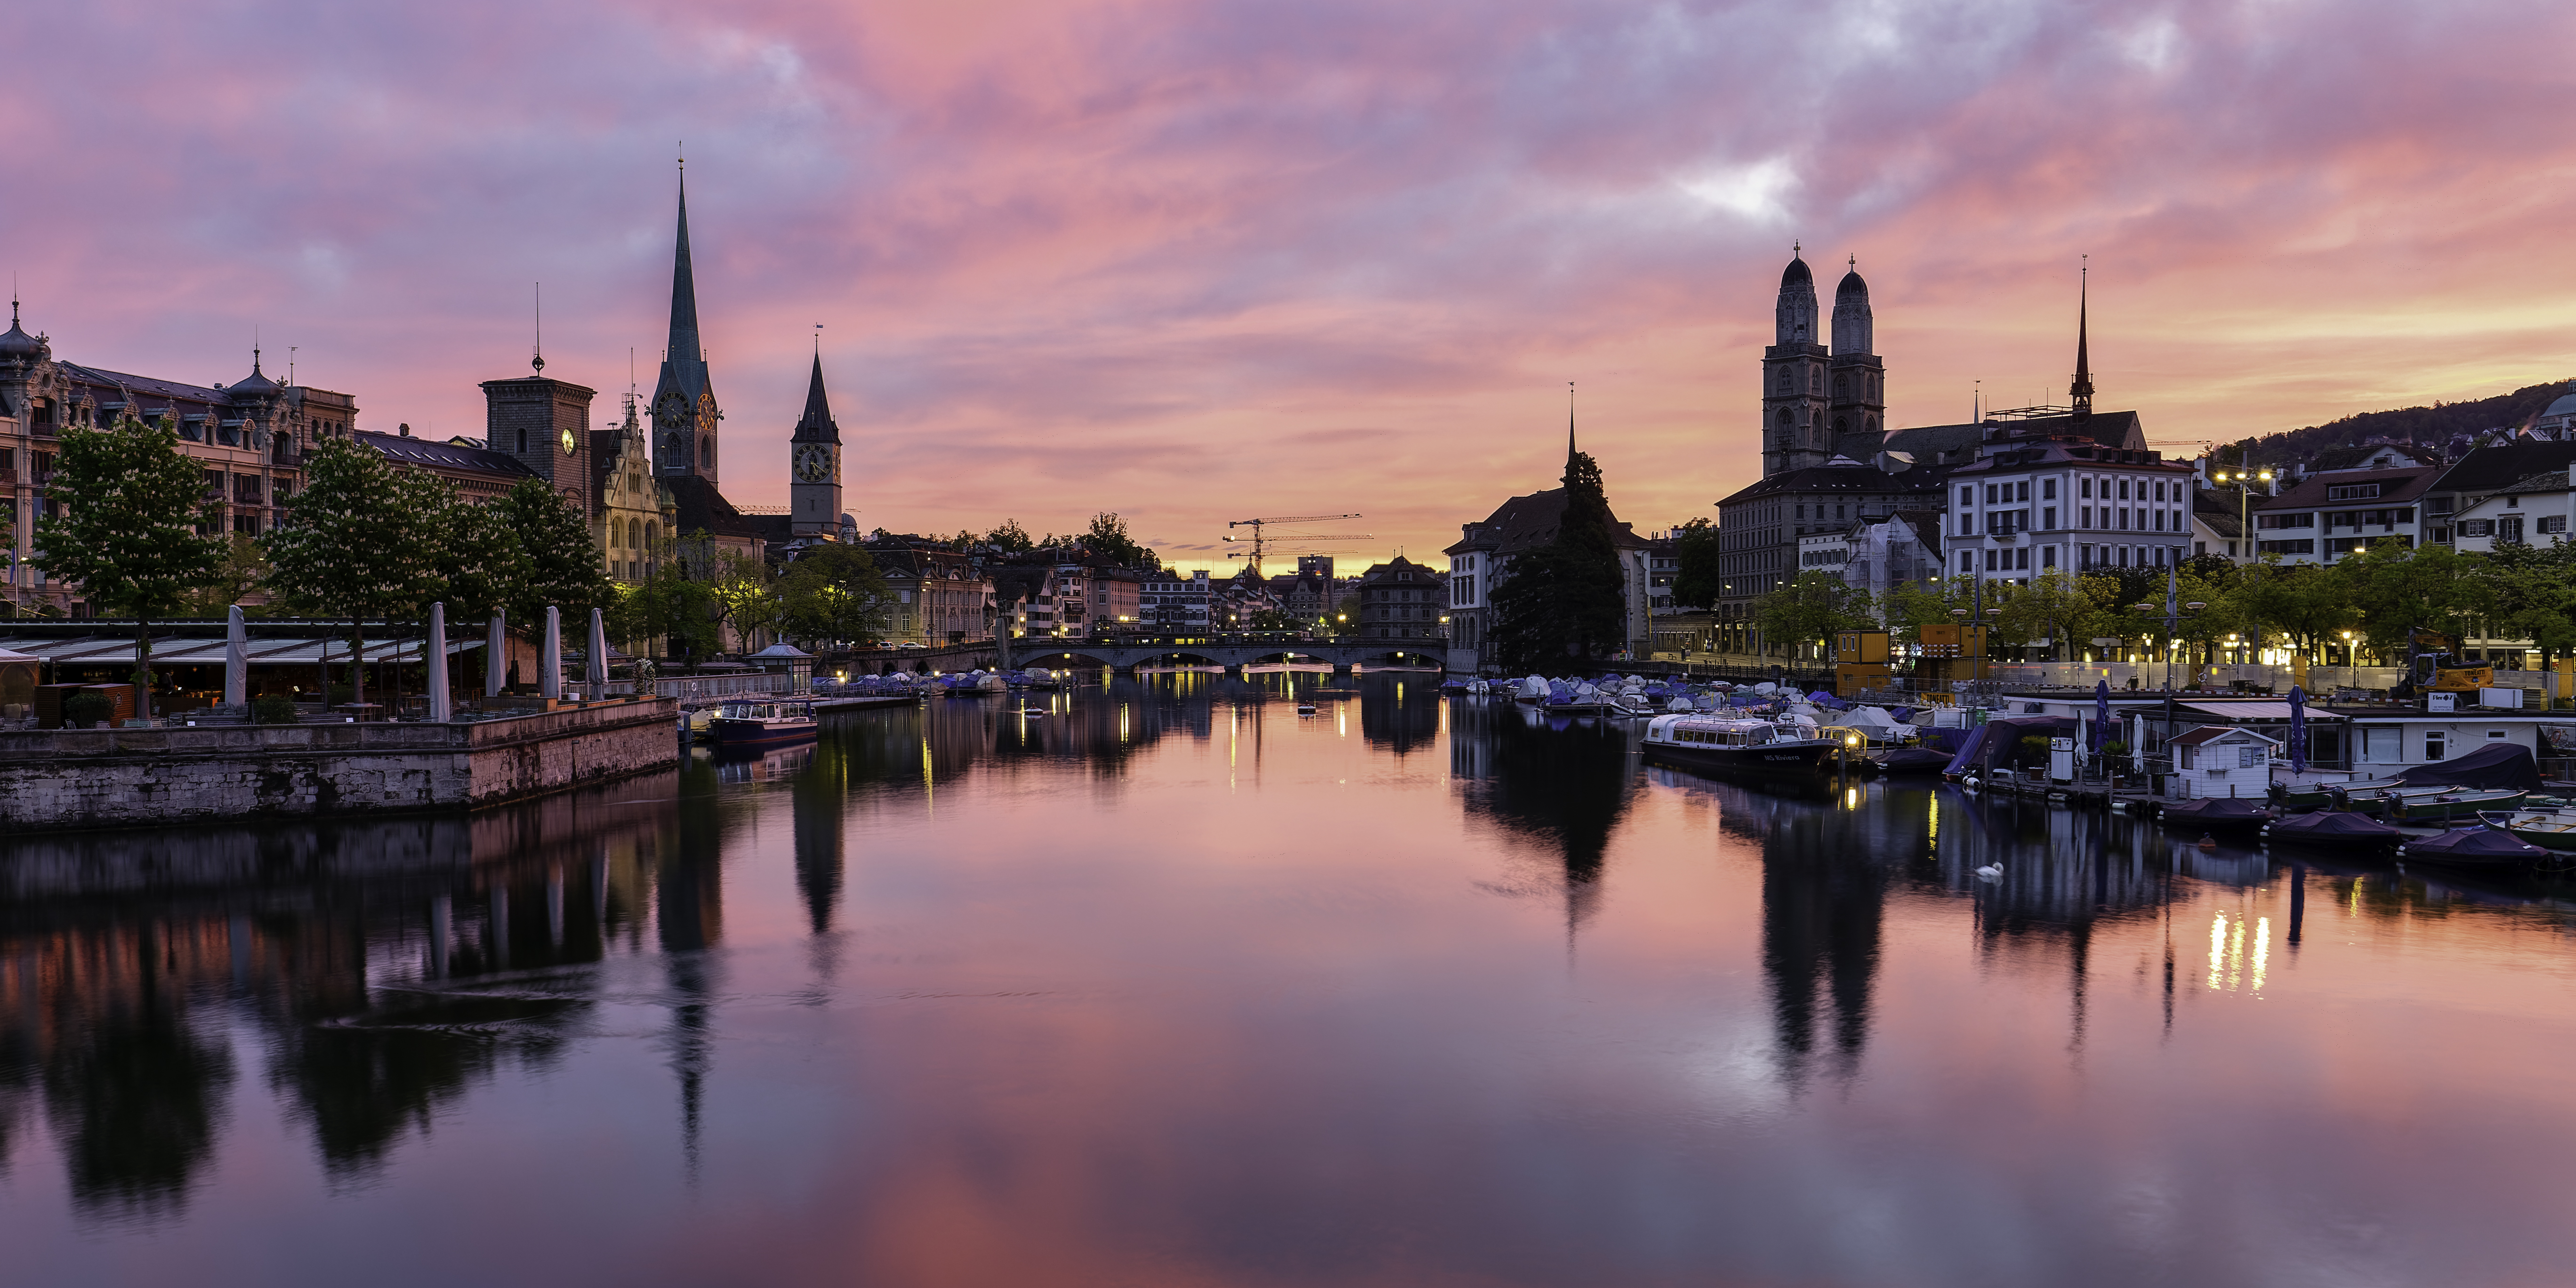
[
  {"x": 1401, "y": 602},
  {"x": 1174, "y": 604},
  {"x": 2333, "y": 512},
  {"x": 1903, "y": 549},
  {"x": 1481, "y": 560},
  {"x": 939, "y": 596}
]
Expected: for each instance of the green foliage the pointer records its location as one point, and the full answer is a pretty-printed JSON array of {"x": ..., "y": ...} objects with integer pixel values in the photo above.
[
  {"x": 85, "y": 710},
  {"x": 1564, "y": 601},
  {"x": 1011, "y": 537},
  {"x": 130, "y": 507},
  {"x": 557, "y": 563},
  {"x": 362, "y": 541},
  {"x": 832, "y": 593},
  {"x": 273, "y": 708},
  {"x": 1810, "y": 609},
  {"x": 2397, "y": 592},
  {"x": 2433, "y": 425},
  {"x": 1107, "y": 537},
  {"x": 1701, "y": 577},
  {"x": 1272, "y": 619},
  {"x": 243, "y": 568},
  {"x": 742, "y": 589},
  {"x": 1346, "y": 616},
  {"x": 669, "y": 605}
]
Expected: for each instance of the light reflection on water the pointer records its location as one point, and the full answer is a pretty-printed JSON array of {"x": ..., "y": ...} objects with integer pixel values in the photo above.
[{"x": 1170, "y": 985}]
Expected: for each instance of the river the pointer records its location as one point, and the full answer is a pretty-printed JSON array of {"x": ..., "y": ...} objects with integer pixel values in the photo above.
[{"x": 1173, "y": 986}]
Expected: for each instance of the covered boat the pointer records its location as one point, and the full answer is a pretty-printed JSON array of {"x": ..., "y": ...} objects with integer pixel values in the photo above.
[
  {"x": 2216, "y": 814},
  {"x": 2474, "y": 847},
  {"x": 2335, "y": 828},
  {"x": 1911, "y": 760},
  {"x": 2493, "y": 767},
  {"x": 1738, "y": 746}
]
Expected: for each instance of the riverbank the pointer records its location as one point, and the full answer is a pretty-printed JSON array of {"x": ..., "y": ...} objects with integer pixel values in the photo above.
[{"x": 85, "y": 778}]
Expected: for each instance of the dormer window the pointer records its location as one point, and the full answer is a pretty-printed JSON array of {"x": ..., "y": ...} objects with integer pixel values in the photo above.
[{"x": 2353, "y": 492}]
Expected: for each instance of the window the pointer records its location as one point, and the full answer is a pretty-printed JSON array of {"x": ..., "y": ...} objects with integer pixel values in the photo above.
[
  {"x": 2509, "y": 528},
  {"x": 2301, "y": 547},
  {"x": 1990, "y": 494},
  {"x": 2347, "y": 491},
  {"x": 2554, "y": 523},
  {"x": 2048, "y": 489},
  {"x": 1967, "y": 496},
  {"x": 2380, "y": 746},
  {"x": 2124, "y": 489},
  {"x": 2249, "y": 757},
  {"x": 2048, "y": 556},
  {"x": 2477, "y": 527},
  {"x": 2084, "y": 487},
  {"x": 2285, "y": 520},
  {"x": 2048, "y": 517},
  {"x": 2160, "y": 489},
  {"x": 2085, "y": 519},
  {"x": 2436, "y": 744},
  {"x": 1990, "y": 559}
]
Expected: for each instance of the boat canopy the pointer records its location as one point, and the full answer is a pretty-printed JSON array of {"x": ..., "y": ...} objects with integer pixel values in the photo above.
[{"x": 2496, "y": 765}]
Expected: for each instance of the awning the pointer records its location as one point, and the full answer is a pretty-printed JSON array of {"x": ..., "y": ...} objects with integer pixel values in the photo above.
[{"x": 2246, "y": 710}]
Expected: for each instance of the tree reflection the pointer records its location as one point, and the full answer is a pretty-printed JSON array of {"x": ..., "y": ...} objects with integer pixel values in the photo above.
[
  {"x": 1567, "y": 786},
  {"x": 131, "y": 1087},
  {"x": 1824, "y": 892}
]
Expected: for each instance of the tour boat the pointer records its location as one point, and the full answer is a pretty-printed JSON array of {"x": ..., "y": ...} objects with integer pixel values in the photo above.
[
  {"x": 1739, "y": 746},
  {"x": 768, "y": 722}
]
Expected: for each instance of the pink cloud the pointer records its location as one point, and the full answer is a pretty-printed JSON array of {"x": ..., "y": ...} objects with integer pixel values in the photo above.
[{"x": 1193, "y": 261}]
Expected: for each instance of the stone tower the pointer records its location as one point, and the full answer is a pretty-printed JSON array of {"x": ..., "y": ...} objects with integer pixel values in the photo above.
[
  {"x": 1793, "y": 379},
  {"x": 1858, "y": 381},
  {"x": 546, "y": 425},
  {"x": 685, "y": 414},
  {"x": 814, "y": 463}
]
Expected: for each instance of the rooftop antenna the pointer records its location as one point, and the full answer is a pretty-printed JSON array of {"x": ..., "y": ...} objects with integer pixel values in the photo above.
[
  {"x": 290, "y": 363},
  {"x": 539, "y": 360},
  {"x": 818, "y": 340}
]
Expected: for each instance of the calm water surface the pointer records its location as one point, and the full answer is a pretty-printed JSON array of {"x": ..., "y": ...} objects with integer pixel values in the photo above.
[{"x": 1173, "y": 987}]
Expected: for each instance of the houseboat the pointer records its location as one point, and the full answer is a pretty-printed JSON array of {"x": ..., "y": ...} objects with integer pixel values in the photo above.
[
  {"x": 767, "y": 722},
  {"x": 1719, "y": 744}
]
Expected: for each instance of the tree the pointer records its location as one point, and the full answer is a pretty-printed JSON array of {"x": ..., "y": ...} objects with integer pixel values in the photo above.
[
  {"x": 669, "y": 605},
  {"x": 557, "y": 564},
  {"x": 2051, "y": 605},
  {"x": 1011, "y": 537},
  {"x": 1346, "y": 616},
  {"x": 128, "y": 509},
  {"x": 1811, "y": 609},
  {"x": 1701, "y": 578},
  {"x": 1272, "y": 619},
  {"x": 2400, "y": 592},
  {"x": 361, "y": 542},
  {"x": 1565, "y": 600},
  {"x": 241, "y": 571},
  {"x": 743, "y": 595},
  {"x": 832, "y": 593},
  {"x": 1107, "y": 537}
]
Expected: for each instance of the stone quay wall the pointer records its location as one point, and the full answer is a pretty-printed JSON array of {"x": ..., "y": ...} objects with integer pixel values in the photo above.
[{"x": 75, "y": 778}]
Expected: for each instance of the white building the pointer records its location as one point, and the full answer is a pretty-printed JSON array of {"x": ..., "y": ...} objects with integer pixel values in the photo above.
[
  {"x": 2350, "y": 499},
  {"x": 1174, "y": 604},
  {"x": 2533, "y": 511},
  {"x": 2030, "y": 504},
  {"x": 2218, "y": 760}
]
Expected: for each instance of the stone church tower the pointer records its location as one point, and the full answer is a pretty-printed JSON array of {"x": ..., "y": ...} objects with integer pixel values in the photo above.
[
  {"x": 1859, "y": 382},
  {"x": 1794, "y": 403},
  {"x": 814, "y": 464},
  {"x": 685, "y": 414}
]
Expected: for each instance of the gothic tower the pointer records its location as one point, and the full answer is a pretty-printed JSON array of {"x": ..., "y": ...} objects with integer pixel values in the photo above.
[
  {"x": 1859, "y": 382},
  {"x": 2079, "y": 391},
  {"x": 1793, "y": 379},
  {"x": 815, "y": 464},
  {"x": 685, "y": 414}
]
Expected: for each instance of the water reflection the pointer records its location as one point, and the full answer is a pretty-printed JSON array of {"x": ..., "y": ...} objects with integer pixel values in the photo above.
[{"x": 1083, "y": 989}]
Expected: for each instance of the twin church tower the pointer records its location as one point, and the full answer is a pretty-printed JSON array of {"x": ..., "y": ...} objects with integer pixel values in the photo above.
[
  {"x": 1812, "y": 395},
  {"x": 687, "y": 420}
]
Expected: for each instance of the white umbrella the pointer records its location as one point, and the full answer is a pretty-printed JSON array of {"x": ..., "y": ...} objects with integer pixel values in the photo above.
[
  {"x": 236, "y": 659},
  {"x": 496, "y": 653},
  {"x": 550, "y": 666},
  {"x": 595, "y": 666},
  {"x": 442, "y": 705}
]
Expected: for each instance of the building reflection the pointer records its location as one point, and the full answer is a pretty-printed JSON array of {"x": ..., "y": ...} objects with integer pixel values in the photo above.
[
  {"x": 391, "y": 964},
  {"x": 1825, "y": 875}
]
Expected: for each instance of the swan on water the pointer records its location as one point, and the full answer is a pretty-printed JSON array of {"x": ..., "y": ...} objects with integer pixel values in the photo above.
[{"x": 1991, "y": 872}]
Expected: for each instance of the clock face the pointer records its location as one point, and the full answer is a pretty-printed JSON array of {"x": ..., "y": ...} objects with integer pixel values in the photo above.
[
  {"x": 813, "y": 464},
  {"x": 570, "y": 443}
]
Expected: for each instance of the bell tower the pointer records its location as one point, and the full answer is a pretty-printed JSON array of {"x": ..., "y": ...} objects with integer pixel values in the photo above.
[
  {"x": 814, "y": 463},
  {"x": 1859, "y": 381},
  {"x": 1793, "y": 378}
]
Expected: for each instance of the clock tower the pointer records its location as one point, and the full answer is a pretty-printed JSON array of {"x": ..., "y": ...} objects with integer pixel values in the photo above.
[
  {"x": 814, "y": 465},
  {"x": 546, "y": 425}
]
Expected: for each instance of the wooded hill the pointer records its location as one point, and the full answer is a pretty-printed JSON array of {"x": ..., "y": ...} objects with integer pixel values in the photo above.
[{"x": 2434, "y": 426}]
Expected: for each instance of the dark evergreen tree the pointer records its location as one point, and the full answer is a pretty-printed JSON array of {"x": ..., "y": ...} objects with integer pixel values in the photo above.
[{"x": 1564, "y": 602}]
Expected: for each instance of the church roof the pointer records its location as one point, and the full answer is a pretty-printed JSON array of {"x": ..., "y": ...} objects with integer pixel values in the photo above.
[
  {"x": 1845, "y": 478},
  {"x": 1850, "y": 286},
  {"x": 1950, "y": 446},
  {"x": 701, "y": 507},
  {"x": 1796, "y": 274}
]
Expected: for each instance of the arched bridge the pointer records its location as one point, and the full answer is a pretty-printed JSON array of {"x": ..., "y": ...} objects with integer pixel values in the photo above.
[{"x": 1231, "y": 652}]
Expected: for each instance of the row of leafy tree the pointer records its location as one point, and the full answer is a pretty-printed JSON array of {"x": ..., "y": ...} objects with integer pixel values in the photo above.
[
  {"x": 131, "y": 522},
  {"x": 2386, "y": 602}
]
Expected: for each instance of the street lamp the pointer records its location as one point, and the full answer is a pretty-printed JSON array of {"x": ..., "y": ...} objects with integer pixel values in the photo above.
[{"x": 2244, "y": 502}]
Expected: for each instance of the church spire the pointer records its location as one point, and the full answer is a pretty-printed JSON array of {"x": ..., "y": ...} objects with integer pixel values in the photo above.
[
  {"x": 2080, "y": 392},
  {"x": 1569, "y": 431},
  {"x": 817, "y": 425},
  {"x": 684, "y": 291}
]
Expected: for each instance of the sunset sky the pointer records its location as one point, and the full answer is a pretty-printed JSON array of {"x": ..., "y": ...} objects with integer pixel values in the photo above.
[{"x": 1202, "y": 261}]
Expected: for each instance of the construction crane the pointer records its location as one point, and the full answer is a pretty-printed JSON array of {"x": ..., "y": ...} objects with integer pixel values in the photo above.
[{"x": 1263, "y": 538}]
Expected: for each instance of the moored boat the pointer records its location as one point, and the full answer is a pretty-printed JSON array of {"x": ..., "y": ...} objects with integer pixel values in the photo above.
[
  {"x": 2436, "y": 807},
  {"x": 1911, "y": 760},
  {"x": 2329, "y": 795},
  {"x": 2548, "y": 831},
  {"x": 1737, "y": 746},
  {"x": 2329, "y": 827},
  {"x": 768, "y": 722},
  {"x": 2474, "y": 847},
  {"x": 2216, "y": 814}
]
